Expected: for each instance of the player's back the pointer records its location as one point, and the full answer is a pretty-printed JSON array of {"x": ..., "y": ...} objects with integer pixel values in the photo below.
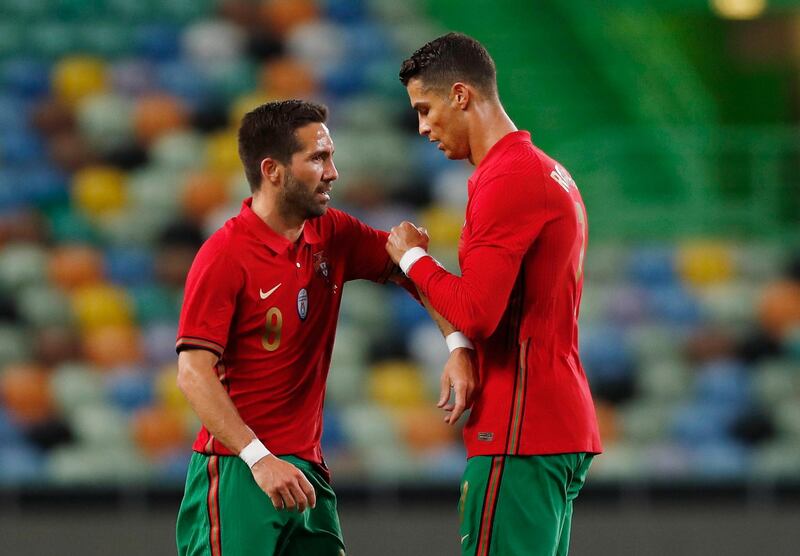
[{"x": 534, "y": 396}]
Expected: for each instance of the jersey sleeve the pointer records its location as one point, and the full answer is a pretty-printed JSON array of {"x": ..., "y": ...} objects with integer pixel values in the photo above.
[
  {"x": 507, "y": 214},
  {"x": 364, "y": 250},
  {"x": 212, "y": 287}
]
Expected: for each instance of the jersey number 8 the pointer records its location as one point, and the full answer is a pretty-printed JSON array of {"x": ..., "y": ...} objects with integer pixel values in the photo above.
[{"x": 272, "y": 335}]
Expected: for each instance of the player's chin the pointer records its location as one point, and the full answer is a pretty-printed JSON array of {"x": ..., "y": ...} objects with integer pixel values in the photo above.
[
  {"x": 454, "y": 155},
  {"x": 318, "y": 209}
]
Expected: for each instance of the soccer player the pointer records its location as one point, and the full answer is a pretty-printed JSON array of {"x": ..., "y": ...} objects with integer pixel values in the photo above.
[
  {"x": 532, "y": 431},
  {"x": 255, "y": 339}
]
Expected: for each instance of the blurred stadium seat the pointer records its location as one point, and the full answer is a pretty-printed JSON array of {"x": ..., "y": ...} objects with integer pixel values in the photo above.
[{"x": 118, "y": 156}]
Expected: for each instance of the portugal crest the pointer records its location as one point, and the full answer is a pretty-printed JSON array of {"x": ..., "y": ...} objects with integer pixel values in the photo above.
[{"x": 321, "y": 264}]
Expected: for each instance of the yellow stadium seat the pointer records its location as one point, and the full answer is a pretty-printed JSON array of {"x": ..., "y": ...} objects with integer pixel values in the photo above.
[
  {"x": 77, "y": 77},
  {"x": 99, "y": 190},
  {"x": 100, "y": 305}
]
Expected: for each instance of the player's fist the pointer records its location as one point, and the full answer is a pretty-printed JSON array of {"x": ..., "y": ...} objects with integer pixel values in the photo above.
[
  {"x": 404, "y": 237},
  {"x": 285, "y": 484}
]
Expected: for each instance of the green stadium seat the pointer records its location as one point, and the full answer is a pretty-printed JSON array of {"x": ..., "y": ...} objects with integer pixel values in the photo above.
[
  {"x": 231, "y": 80},
  {"x": 12, "y": 39},
  {"x": 654, "y": 342},
  {"x": 778, "y": 460},
  {"x": 787, "y": 418},
  {"x": 42, "y": 305},
  {"x": 21, "y": 264},
  {"x": 75, "y": 386},
  {"x": 181, "y": 11},
  {"x": 70, "y": 226},
  {"x": 52, "y": 40},
  {"x": 27, "y": 10},
  {"x": 155, "y": 189},
  {"x": 178, "y": 150},
  {"x": 102, "y": 465},
  {"x": 776, "y": 381},
  {"x": 14, "y": 344},
  {"x": 365, "y": 307},
  {"x": 645, "y": 420},
  {"x": 133, "y": 11},
  {"x": 731, "y": 303},
  {"x": 622, "y": 461},
  {"x": 77, "y": 10},
  {"x": 106, "y": 121},
  {"x": 108, "y": 39},
  {"x": 427, "y": 348},
  {"x": 666, "y": 379},
  {"x": 131, "y": 227},
  {"x": 348, "y": 366},
  {"x": 153, "y": 303},
  {"x": 100, "y": 425}
]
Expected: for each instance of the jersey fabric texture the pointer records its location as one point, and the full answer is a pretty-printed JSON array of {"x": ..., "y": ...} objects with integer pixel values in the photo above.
[
  {"x": 514, "y": 505},
  {"x": 268, "y": 308},
  {"x": 225, "y": 512},
  {"x": 521, "y": 257}
]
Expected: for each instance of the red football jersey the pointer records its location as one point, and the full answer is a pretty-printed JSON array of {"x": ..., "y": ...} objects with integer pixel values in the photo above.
[
  {"x": 521, "y": 257},
  {"x": 268, "y": 308}
]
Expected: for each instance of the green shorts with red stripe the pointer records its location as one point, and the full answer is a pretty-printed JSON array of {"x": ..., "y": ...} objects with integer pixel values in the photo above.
[
  {"x": 515, "y": 505},
  {"x": 225, "y": 513}
]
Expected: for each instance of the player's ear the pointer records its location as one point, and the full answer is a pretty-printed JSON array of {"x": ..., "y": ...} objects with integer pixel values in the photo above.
[
  {"x": 271, "y": 171},
  {"x": 460, "y": 95}
]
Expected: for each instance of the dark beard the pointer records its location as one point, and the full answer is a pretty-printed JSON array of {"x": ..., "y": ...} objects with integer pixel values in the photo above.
[{"x": 297, "y": 201}]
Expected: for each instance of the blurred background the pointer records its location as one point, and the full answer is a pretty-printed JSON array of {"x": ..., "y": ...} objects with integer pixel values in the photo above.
[{"x": 677, "y": 118}]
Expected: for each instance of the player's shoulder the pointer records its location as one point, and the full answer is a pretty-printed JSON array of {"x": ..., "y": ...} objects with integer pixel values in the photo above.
[
  {"x": 334, "y": 221},
  {"x": 223, "y": 241}
]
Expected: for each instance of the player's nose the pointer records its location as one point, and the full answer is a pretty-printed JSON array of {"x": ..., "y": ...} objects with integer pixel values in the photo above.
[
  {"x": 424, "y": 128},
  {"x": 330, "y": 173}
]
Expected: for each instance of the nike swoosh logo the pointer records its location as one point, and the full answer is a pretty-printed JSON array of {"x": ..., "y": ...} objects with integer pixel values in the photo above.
[
  {"x": 269, "y": 293},
  {"x": 464, "y": 538}
]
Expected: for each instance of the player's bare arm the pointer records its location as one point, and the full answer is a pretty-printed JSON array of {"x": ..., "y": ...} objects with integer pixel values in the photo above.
[
  {"x": 459, "y": 371},
  {"x": 458, "y": 374},
  {"x": 285, "y": 485}
]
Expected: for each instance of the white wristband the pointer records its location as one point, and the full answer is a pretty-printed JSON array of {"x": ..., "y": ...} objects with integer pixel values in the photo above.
[
  {"x": 254, "y": 452},
  {"x": 458, "y": 340},
  {"x": 410, "y": 257}
]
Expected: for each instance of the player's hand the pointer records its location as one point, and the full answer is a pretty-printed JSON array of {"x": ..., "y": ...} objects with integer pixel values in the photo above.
[
  {"x": 285, "y": 484},
  {"x": 459, "y": 372},
  {"x": 404, "y": 237}
]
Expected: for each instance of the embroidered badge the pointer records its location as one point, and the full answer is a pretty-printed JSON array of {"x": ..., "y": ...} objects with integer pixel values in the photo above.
[
  {"x": 321, "y": 264},
  {"x": 486, "y": 436},
  {"x": 322, "y": 268},
  {"x": 302, "y": 304}
]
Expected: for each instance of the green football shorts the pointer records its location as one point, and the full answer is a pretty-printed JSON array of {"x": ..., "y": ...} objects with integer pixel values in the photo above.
[
  {"x": 515, "y": 505},
  {"x": 225, "y": 513}
]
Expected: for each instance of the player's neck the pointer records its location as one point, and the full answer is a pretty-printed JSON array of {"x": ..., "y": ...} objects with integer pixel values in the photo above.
[
  {"x": 268, "y": 212},
  {"x": 491, "y": 124}
]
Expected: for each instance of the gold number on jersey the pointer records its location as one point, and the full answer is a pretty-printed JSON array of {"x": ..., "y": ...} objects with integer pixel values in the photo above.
[{"x": 272, "y": 335}]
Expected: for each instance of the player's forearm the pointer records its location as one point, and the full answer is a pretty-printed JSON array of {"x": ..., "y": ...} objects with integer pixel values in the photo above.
[
  {"x": 198, "y": 381},
  {"x": 472, "y": 303},
  {"x": 444, "y": 326}
]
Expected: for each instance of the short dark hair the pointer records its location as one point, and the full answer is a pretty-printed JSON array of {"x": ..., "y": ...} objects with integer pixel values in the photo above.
[
  {"x": 450, "y": 58},
  {"x": 269, "y": 132}
]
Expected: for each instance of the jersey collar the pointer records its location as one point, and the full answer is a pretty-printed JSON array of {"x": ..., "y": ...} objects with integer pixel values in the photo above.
[
  {"x": 267, "y": 235},
  {"x": 497, "y": 151}
]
